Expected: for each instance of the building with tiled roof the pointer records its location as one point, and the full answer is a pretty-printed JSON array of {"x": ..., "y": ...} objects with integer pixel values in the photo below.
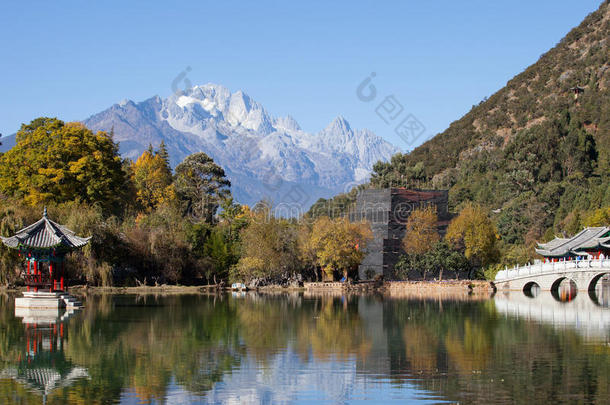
[
  {"x": 44, "y": 244},
  {"x": 591, "y": 242},
  {"x": 45, "y": 234}
]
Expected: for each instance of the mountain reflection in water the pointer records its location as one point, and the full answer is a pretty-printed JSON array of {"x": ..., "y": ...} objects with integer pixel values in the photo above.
[{"x": 295, "y": 349}]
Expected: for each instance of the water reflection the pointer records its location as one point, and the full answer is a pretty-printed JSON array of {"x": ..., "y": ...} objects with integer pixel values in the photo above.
[
  {"x": 600, "y": 294},
  {"x": 41, "y": 365},
  {"x": 580, "y": 314},
  {"x": 566, "y": 291},
  {"x": 531, "y": 290},
  {"x": 290, "y": 348}
]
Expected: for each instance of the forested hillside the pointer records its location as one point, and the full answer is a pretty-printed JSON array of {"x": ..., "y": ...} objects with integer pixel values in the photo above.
[{"x": 535, "y": 155}]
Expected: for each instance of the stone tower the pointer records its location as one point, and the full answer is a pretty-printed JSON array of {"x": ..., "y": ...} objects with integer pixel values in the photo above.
[{"x": 387, "y": 211}]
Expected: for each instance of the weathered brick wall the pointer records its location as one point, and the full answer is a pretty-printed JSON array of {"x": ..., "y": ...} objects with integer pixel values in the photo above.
[{"x": 387, "y": 210}]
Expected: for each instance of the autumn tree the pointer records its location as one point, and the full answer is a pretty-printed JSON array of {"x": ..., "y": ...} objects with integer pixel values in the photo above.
[
  {"x": 338, "y": 244},
  {"x": 201, "y": 185},
  {"x": 268, "y": 249},
  {"x": 152, "y": 178},
  {"x": 473, "y": 233},
  {"x": 53, "y": 161},
  {"x": 307, "y": 252},
  {"x": 598, "y": 217},
  {"x": 421, "y": 231}
]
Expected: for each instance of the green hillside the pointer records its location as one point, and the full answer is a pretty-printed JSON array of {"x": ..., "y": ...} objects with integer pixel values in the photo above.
[{"x": 533, "y": 154}]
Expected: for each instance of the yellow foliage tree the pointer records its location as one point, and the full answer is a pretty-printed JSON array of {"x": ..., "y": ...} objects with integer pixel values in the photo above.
[
  {"x": 598, "y": 217},
  {"x": 152, "y": 178},
  {"x": 57, "y": 162},
  {"x": 474, "y": 233},
  {"x": 338, "y": 244},
  {"x": 421, "y": 231},
  {"x": 307, "y": 253},
  {"x": 268, "y": 249}
]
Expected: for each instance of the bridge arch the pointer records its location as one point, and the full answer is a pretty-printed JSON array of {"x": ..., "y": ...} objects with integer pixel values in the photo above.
[
  {"x": 600, "y": 295},
  {"x": 531, "y": 289},
  {"x": 564, "y": 289},
  {"x": 594, "y": 280}
]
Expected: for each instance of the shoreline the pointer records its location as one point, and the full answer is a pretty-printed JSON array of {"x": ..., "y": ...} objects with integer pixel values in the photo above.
[{"x": 390, "y": 289}]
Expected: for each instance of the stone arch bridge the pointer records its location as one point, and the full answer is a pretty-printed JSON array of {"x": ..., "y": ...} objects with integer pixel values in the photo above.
[{"x": 548, "y": 276}]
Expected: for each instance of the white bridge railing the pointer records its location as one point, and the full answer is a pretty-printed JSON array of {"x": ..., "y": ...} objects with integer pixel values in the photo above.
[{"x": 540, "y": 268}]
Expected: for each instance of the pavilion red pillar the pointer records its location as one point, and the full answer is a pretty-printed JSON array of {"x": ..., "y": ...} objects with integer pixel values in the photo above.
[
  {"x": 51, "y": 280},
  {"x": 61, "y": 279},
  {"x": 29, "y": 263},
  {"x": 36, "y": 274}
]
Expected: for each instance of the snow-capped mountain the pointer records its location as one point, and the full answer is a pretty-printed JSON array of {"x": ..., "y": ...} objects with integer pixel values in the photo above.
[{"x": 264, "y": 157}]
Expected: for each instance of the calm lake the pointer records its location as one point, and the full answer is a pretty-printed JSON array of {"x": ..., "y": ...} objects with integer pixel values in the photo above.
[{"x": 295, "y": 348}]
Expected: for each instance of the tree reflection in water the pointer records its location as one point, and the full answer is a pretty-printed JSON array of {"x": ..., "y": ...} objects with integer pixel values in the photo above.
[{"x": 467, "y": 351}]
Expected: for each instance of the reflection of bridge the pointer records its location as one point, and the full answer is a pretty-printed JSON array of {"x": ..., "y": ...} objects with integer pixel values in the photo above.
[
  {"x": 548, "y": 276},
  {"x": 581, "y": 314}
]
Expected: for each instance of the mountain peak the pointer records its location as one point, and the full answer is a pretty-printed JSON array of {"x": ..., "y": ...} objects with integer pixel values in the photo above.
[
  {"x": 124, "y": 103},
  {"x": 287, "y": 122},
  {"x": 339, "y": 125},
  {"x": 209, "y": 87},
  {"x": 251, "y": 145}
]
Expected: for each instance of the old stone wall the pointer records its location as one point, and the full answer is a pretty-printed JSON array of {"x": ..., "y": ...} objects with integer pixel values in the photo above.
[{"x": 387, "y": 211}]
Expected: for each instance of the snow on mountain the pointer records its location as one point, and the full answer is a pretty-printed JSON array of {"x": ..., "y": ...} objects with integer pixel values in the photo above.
[{"x": 264, "y": 157}]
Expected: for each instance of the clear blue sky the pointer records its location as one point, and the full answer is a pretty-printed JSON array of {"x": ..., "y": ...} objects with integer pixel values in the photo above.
[{"x": 71, "y": 59}]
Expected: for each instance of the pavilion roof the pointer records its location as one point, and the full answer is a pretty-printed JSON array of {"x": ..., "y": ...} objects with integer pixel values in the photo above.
[
  {"x": 44, "y": 379},
  {"x": 588, "y": 238},
  {"x": 45, "y": 234}
]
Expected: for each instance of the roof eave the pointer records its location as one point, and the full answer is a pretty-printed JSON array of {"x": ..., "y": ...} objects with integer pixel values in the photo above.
[
  {"x": 546, "y": 253},
  {"x": 10, "y": 242},
  {"x": 26, "y": 246}
]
